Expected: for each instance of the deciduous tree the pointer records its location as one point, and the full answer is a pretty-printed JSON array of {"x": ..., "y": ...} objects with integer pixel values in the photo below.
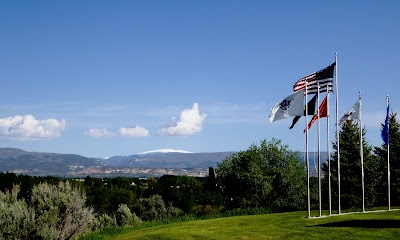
[{"x": 266, "y": 175}]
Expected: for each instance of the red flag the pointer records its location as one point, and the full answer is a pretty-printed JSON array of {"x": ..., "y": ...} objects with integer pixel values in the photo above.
[{"x": 323, "y": 112}]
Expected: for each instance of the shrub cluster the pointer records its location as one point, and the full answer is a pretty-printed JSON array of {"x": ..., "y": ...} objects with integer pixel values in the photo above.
[
  {"x": 59, "y": 212},
  {"x": 53, "y": 212}
]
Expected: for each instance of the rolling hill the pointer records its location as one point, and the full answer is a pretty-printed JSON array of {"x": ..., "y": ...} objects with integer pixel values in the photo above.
[
  {"x": 38, "y": 163},
  {"x": 151, "y": 163}
]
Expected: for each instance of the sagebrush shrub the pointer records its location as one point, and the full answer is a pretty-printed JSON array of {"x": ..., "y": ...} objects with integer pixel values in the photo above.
[{"x": 126, "y": 217}]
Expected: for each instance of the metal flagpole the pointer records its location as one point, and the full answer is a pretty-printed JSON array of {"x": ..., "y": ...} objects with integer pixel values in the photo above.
[
  {"x": 319, "y": 158},
  {"x": 307, "y": 160},
  {"x": 388, "y": 164},
  {"x": 337, "y": 127},
  {"x": 329, "y": 151},
  {"x": 362, "y": 156}
]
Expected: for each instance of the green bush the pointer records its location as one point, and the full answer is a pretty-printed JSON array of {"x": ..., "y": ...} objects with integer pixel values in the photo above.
[
  {"x": 174, "y": 212},
  {"x": 16, "y": 219},
  {"x": 126, "y": 217},
  {"x": 266, "y": 175},
  {"x": 60, "y": 211},
  {"x": 151, "y": 208},
  {"x": 54, "y": 212},
  {"x": 105, "y": 221},
  {"x": 207, "y": 209}
]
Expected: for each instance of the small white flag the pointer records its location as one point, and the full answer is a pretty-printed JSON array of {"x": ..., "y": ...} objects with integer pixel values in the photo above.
[
  {"x": 353, "y": 114},
  {"x": 290, "y": 106}
]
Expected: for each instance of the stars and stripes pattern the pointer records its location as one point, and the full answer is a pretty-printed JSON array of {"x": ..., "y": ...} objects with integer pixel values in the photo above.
[{"x": 324, "y": 78}]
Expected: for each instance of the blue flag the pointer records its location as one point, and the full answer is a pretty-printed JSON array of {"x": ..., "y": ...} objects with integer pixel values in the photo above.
[{"x": 385, "y": 130}]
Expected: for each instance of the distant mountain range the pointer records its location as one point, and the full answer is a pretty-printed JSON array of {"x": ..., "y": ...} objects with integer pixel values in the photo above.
[
  {"x": 36, "y": 163},
  {"x": 151, "y": 163},
  {"x": 168, "y": 160}
]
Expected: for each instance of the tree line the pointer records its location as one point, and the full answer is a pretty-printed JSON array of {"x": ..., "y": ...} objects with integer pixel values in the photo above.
[
  {"x": 375, "y": 168},
  {"x": 267, "y": 176}
]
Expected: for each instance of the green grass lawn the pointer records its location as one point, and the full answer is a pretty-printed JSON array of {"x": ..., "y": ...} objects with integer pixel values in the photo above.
[{"x": 293, "y": 225}]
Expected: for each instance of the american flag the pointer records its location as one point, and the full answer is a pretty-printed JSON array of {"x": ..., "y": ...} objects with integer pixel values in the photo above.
[{"x": 324, "y": 78}]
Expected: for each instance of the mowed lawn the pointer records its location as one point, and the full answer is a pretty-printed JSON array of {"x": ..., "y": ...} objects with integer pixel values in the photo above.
[{"x": 294, "y": 225}]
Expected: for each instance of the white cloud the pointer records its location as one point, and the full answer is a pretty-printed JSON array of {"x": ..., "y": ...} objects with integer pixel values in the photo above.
[
  {"x": 99, "y": 133},
  {"x": 135, "y": 131},
  {"x": 190, "y": 122},
  {"x": 27, "y": 127}
]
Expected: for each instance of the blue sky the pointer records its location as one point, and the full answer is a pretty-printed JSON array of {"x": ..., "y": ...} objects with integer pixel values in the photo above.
[{"x": 104, "y": 78}]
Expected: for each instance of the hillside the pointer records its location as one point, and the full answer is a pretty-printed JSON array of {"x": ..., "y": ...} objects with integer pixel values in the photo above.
[
  {"x": 168, "y": 160},
  {"x": 35, "y": 163},
  {"x": 149, "y": 164},
  {"x": 293, "y": 225}
]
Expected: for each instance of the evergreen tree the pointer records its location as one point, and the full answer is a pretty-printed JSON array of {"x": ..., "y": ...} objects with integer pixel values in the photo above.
[
  {"x": 350, "y": 170},
  {"x": 394, "y": 158},
  {"x": 212, "y": 194}
]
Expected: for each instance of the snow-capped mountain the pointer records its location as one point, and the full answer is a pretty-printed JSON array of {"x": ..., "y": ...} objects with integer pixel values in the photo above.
[
  {"x": 168, "y": 158},
  {"x": 165, "y": 150}
]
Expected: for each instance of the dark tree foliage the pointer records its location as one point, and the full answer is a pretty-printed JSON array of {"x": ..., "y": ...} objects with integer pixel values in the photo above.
[
  {"x": 212, "y": 194},
  {"x": 394, "y": 158},
  {"x": 120, "y": 182},
  {"x": 269, "y": 175},
  {"x": 7, "y": 180},
  {"x": 26, "y": 183},
  {"x": 183, "y": 192},
  {"x": 350, "y": 170},
  {"x": 105, "y": 195}
]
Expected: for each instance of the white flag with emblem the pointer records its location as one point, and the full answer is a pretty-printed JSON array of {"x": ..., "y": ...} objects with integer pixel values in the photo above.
[
  {"x": 290, "y": 106},
  {"x": 353, "y": 114}
]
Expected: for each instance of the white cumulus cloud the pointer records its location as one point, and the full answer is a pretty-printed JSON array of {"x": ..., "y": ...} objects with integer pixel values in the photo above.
[
  {"x": 99, "y": 133},
  {"x": 190, "y": 122},
  {"x": 135, "y": 131},
  {"x": 27, "y": 127}
]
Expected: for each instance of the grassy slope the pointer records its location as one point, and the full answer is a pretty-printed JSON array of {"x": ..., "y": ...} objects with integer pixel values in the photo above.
[{"x": 381, "y": 225}]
